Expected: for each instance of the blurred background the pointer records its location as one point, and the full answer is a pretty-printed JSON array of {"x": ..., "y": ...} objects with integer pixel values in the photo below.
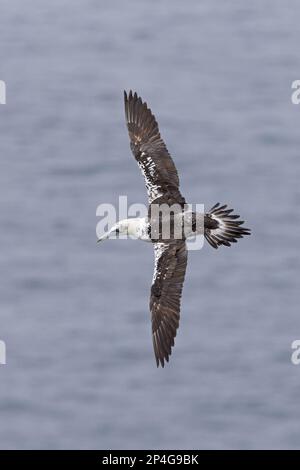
[{"x": 80, "y": 369}]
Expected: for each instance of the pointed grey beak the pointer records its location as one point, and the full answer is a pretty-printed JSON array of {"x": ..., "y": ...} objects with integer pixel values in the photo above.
[{"x": 104, "y": 237}]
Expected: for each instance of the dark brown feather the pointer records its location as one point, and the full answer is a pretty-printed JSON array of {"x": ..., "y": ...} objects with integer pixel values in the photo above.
[
  {"x": 166, "y": 290},
  {"x": 222, "y": 228},
  {"x": 150, "y": 151}
]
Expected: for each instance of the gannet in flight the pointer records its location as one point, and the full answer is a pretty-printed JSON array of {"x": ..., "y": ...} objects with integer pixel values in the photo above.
[{"x": 219, "y": 225}]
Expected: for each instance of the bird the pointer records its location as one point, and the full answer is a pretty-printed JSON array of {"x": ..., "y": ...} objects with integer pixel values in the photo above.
[{"x": 219, "y": 225}]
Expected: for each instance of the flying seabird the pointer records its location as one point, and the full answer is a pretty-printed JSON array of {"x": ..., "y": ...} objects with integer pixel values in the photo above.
[{"x": 219, "y": 225}]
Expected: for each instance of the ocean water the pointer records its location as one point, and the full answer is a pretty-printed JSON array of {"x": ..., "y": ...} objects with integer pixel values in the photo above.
[{"x": 80, "y": 369}]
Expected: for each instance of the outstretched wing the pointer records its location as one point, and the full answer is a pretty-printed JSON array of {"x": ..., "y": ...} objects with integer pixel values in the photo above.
[
  {"x": 150, "y": 152},
  {"x": 166, "y": 289}
]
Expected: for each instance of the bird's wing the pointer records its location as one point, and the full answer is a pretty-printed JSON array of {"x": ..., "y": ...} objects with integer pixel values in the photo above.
[
  {"x": 166, "y": 289},
  {"x": 151, "y": 153}
]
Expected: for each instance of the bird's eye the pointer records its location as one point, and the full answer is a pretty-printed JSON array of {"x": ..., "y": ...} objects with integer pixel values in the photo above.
[{"x": 117, "y": 230}]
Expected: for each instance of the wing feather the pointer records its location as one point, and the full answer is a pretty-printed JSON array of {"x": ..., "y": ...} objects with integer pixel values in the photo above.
[
  {"x": 150, "y": 151},
  {"x": 166, "y": 290}
]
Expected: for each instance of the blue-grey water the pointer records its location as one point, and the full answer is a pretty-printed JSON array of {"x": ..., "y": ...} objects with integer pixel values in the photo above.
[{"x": 80, "y": 369}]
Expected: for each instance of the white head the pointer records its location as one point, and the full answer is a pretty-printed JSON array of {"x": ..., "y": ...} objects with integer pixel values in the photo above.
[{"x": 129, "y": 227}]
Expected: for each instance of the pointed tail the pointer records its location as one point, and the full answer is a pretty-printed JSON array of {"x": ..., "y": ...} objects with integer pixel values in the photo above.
[{"x": 222, "y": 228}]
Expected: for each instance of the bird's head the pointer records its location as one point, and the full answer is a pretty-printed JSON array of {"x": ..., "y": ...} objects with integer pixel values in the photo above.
[{"x": 123, "y": 227}]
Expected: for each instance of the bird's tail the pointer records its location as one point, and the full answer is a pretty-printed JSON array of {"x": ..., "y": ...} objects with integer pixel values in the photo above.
[{"x": 221, "y": 227}]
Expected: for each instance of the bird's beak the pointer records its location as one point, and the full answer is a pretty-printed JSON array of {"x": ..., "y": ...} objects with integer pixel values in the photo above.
[{"x": 104, "y": 237}]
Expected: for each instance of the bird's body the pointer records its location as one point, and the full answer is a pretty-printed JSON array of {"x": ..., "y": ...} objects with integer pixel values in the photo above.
[
  {"x": 143, "y": 228},
  {"x": 168, "y": 225}
]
